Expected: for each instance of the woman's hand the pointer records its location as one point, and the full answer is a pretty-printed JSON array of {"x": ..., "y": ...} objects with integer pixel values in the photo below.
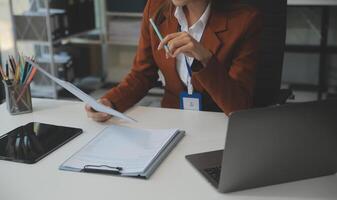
[
  {"x": 182, "y": 42},
  {"x": 98, "y": 116}
]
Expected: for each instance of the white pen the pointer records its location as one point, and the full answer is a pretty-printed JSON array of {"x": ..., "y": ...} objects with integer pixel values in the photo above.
[{"x": 159, "y": 35}]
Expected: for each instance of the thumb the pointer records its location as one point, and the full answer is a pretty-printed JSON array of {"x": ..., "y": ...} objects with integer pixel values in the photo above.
[
  {"x": 87, "y": 107},
  {"x": 105, "y": 101}
]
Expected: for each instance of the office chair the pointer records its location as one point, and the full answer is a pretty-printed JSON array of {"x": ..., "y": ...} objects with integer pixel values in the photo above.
[
  {"x": 2, "y": 90},
  {"x": 2, "y": 93},
  {"x": 269, "y": 70}
]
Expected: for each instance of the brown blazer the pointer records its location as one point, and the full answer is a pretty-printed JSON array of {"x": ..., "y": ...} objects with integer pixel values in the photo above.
[{"x": 227, "y": 82}]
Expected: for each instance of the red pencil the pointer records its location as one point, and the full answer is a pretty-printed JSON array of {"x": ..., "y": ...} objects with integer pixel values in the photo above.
[{"x": 29, "y": 80}]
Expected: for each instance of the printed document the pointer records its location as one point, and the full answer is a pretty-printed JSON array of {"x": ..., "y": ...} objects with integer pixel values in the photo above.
[
  {"x": 81, "y": 95},
  {"x": 133, "y": 150}
]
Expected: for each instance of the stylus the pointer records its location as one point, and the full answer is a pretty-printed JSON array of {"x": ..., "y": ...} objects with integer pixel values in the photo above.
[{"x": 156, "y": 30}]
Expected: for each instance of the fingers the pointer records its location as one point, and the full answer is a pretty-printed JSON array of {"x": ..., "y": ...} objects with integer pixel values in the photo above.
[
  {"x": 100, "y": 117},
  {"x": 88, "y": 108},
  {"x": 97, "y": 116},
  {"x": 103, "y": 101},
  {"x": 167, "y": 39},
  {"x": 186, "y": 49},
  {"x": 178, "y": 43}
]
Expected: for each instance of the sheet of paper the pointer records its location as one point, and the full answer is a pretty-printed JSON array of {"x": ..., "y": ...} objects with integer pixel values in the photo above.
[
  {"x": 81, "y": 95},
  {"x": 129, "y": 148}
]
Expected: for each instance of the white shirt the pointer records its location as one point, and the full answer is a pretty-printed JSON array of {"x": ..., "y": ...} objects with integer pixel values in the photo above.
[{"x": 196, "y": 31}]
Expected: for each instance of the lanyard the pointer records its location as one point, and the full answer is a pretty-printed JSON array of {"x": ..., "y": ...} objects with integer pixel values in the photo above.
[
  {"x": 189, "y": 69},
  {"x": 189, "y": 83},
  {"x": 188, "y": 66}
]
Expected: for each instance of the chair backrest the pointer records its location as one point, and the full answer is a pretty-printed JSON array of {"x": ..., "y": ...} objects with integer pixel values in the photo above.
[
  {"x": 2, "y": 93},
  {"x": 269, "y": 71},
  {"x": 2, "y": 90}
]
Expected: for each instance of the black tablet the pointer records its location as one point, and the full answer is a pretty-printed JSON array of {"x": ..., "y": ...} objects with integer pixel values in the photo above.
[{"x": 31, "y": 142}]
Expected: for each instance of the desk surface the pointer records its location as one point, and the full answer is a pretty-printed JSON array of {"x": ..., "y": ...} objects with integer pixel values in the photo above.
[
  {"x": 174, "y": 179},
  {"x": 312, "y": 2}
]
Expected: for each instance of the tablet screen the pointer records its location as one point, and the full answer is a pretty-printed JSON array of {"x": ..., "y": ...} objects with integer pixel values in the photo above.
[{"x": 31, "y": 142}]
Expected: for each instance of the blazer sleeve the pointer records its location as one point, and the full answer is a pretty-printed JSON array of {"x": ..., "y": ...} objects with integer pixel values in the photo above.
[
  {"x": 143, "y": 74},
  {"x": 234, "y": 90}
]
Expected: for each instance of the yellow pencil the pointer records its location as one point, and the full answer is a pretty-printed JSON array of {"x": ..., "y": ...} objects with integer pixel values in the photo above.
[
  {"x": 4, "y": 77},
  {"x": 17, "y": 73}
]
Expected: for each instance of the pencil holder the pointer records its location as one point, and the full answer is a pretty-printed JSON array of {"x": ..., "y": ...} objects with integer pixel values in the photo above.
[{"x": 18, "y": 98}]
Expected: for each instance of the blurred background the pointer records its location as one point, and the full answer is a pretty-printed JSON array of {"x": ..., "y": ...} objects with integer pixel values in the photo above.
[{"x": 92, "y": 44}]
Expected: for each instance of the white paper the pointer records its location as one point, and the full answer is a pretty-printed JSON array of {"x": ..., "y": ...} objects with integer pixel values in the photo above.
[
  {"x": 81, "y": 95},
  {"x": 128, "y": 148}
]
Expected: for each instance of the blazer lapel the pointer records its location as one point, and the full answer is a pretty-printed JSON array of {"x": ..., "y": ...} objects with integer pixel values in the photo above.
[{"x": 217, "y": 23}]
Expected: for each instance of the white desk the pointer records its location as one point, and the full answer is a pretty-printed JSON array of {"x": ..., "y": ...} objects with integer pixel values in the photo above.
[{"x": 174, "y": 179}]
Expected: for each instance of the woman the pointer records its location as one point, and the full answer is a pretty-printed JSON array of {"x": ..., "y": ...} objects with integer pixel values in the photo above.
[{"x": 211, "y": 57}]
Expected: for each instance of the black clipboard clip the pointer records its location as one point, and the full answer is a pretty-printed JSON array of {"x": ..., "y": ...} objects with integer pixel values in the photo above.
[{"x": 102, "y": 169}]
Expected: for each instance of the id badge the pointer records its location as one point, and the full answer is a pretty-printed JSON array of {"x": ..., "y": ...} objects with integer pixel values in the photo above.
[{"x": 190, "y": 102}]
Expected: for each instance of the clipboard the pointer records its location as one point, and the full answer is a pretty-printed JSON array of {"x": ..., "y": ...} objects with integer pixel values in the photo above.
[{"x": 116, "y": 151}]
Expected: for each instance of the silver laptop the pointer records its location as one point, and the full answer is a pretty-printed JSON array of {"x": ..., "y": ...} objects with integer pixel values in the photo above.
[{"x": 273, "y": 145}]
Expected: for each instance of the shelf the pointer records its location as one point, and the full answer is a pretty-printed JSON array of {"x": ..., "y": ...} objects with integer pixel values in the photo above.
[
  {"x": 86, "y": 37},
  {"x": 124, "y": 14},
  {"x": 123, "y": 43},
  {"x": 43, "y": 12},
  {"x": 76, "y": 39},
  {"x": 82, "y": 41},
  {"x": 47, "y": 29},
  {"x": 65, "y": 40},
  {"x": 312, "y": 3},
  {"x": 309, "y": 49},
  {"x": 63, "y": 59},
  {"x": 303, "y": 86},
  {"x": 44, "y": 91},
  {"x": 38, "y": 42}
]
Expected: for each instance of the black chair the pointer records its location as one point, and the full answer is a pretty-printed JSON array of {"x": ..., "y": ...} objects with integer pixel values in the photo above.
[{"x": 273, "y": 38}]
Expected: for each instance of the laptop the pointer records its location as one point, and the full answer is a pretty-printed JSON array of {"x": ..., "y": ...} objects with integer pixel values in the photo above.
[{"x": 273, "y": 145}]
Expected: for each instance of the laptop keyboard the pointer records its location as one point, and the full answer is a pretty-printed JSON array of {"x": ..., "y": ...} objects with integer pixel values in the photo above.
[{"x": 214, "y": 173}]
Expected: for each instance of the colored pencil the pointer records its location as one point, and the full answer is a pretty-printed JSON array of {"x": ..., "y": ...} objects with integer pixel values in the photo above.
[
  {"x": 27, "y": 75},
  {"x": 7, "y": 70},
  {"x": 24, "y": 72},
  {"x": 26, "y": 85},
  {"x": 22, "y": 67},
  {"x": 4, "y": 77},
  {"x": 17, "y": 73},
  {"x": 12, "y": 65}
]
